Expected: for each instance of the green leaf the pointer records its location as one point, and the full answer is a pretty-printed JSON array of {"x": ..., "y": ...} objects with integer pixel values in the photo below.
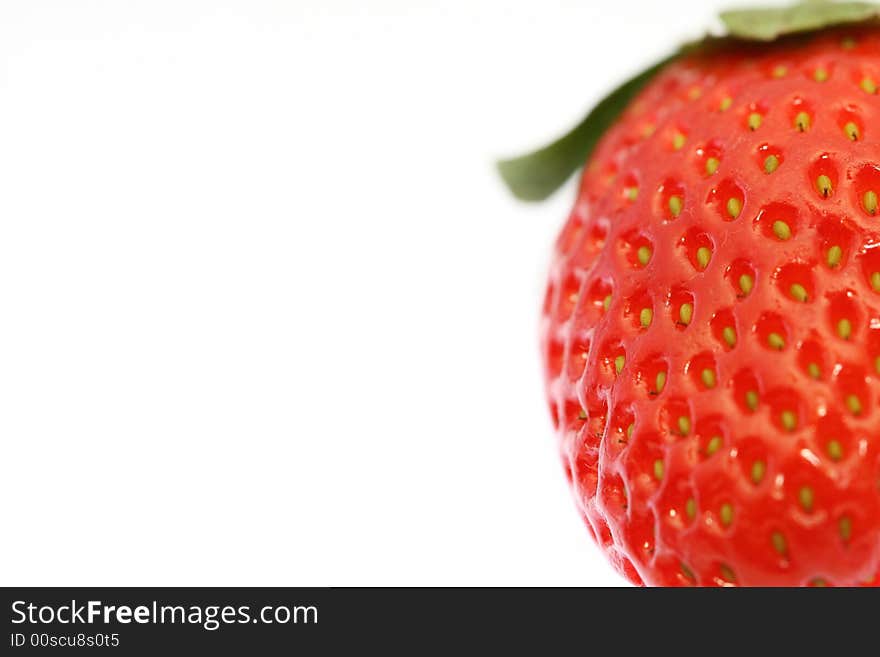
[
  {"x": 535, "y": 176},
  {"x": 770, "y": 23}
]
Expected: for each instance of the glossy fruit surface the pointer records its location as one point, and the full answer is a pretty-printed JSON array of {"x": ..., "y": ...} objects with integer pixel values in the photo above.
[{"x": 711, "y": 328}]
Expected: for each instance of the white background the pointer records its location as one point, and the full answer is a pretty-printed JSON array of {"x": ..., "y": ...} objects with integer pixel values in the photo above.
[{"x": 267, "y": 316}]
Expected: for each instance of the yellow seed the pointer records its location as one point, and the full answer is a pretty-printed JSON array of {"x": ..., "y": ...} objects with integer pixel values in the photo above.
[
  {"x": 754, "y": 121},
  {"x": 695, "y": 93},
  {"x": 712, "y": 165},
  {"x": 780, "y": 71},
  {"x": 835, "y": 450},
  {"x": 685, "y": 313},
  {"x": 582, "y": 414},
  {"x": 708, "y": 377},
  {"x": 725, "y": 104},
  {"x": 869, "y": 202},
  {"x": 868, "y": 86},
  {"x": 875, "y": 281},
  {"x": 726, "y": 514},
  {"x": 644, "y": 255},
  {"x": 678, "y": 141},
  {"x": 820, "y": 75},
  {"x": 729, "y": 335},
  {"x": 675, "y": 206},
  {"x": 606, "y": 303},
  {"x": 848, "y": 43},
  {"x": 619, "y": 362},
  {"x": 814, "y": 371},
  {"x": 726, "y": 573},
  {"x": 751, "y": 400},
  {"x": 684, "y": 425},
  {"x": 782, "y": 230},
  {"x": 687, "y": 572},
  {"x": 805, "y": 496},
  {"x": 798, "y": 292},
  {"x": 771, "y": 164},
  {"x": 631, "y": 193},
  {"x": 714, "y": 445},
  {"x": 819, "y": 583},
  {"x": 658, "y": 469},
  {"x": 823, "y": 185},
  {"x": 734, "y": 207},
  {"x": 802, "y": 121},
  {"x": 835, "y": 253},
  {"x": 877, "y": 364},
  {"x": 690, "y": 508},
  {"x": 660, "y": 382},
  {"x": 788, "y": 420},
  {"x": 704, "y": 254},
  {"x": 629, "y": 430},
  {"x": 648, "y": 130},
  {"x": 759, "y": 468},
  {"x": 854, "y": 404},
  {"x": 852, "y": 131},
  {"x": 844, "y": 328},
  {"x": 646, "y": 316},
  {"x": 776, "y": 341},
  {"x": 845, "y": 528},
  {"x": 779, "y": 543}
]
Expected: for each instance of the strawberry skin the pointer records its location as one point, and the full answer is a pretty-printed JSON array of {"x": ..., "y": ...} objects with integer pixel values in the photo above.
[{"x": 711, "y": 327}]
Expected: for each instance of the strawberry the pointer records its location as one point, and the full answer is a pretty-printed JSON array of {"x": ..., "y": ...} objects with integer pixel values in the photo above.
[{"x": 711, "y": 327}]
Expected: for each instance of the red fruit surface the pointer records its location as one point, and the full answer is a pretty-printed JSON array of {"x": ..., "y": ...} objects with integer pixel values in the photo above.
[{"x": 737, "y": 441}]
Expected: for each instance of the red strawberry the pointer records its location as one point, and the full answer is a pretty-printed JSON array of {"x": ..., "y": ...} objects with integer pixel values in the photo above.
[{"x": 711, "y": 326}]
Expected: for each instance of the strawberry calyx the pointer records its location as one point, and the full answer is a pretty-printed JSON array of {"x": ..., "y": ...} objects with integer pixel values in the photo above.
[
  {"x": 770, "y": 24},
  {"x": 536, "y": 175}
]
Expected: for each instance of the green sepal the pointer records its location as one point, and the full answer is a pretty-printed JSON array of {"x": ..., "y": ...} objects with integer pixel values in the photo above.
[
  {"x": 535, "y": 176},
  {"x": 769, "y": 24}
]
